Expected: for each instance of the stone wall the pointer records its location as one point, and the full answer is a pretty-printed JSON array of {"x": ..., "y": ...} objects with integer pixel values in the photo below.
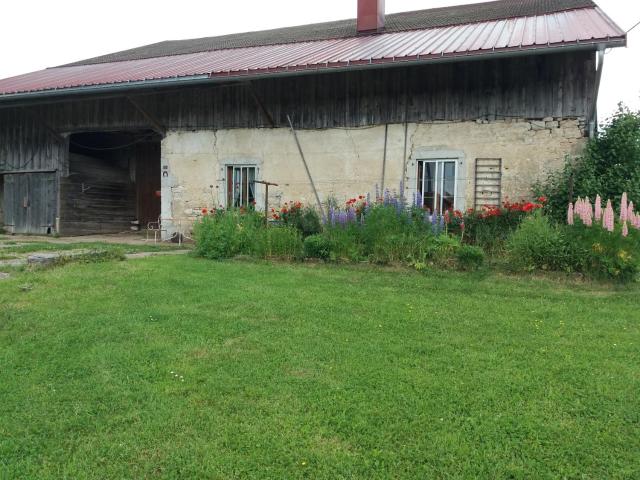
[{"x": 348, "y": 162}]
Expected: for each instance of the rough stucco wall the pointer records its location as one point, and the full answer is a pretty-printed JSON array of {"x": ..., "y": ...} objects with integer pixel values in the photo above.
[{"x": 348, "y": 162}]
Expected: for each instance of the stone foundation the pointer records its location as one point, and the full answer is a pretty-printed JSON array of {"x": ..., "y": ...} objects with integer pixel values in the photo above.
[{"x": 349, "y": 162}]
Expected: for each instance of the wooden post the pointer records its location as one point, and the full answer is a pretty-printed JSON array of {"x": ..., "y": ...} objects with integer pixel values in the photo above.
[
  {"x": 306, "y": 167},
  {"x": 266, "y": 198}
]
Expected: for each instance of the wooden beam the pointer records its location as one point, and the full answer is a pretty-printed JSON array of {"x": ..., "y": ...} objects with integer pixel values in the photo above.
[
  {"x": 18, "y": 172},
  {"x": 261, "y": 105},
  {"x": 306, "y": 167},
  {"x": 153, "y": 122}
]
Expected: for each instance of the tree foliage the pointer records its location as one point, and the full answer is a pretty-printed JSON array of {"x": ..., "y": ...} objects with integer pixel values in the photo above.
[{"x": 609, "y": 166}]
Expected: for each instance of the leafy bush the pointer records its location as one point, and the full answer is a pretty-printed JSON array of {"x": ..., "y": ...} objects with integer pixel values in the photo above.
[
  {"x": 318, "y": 246},
  {"x": 470, "y": 257},
  {"x": 539, "y": 244},
  {"x": 305, "y": 219},
  {"x": 278, "y": 242},
  {"x": 610, "y": 165},
  {"x": 603, "y": 254},
  {"x": 490, "y": 227},
  {"x": 226, "y": 234}
]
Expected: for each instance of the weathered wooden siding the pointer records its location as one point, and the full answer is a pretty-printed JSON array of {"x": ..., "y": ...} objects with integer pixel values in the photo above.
[
  {"x": 98, "y": 196},
  {"x": 559, "y": 85},
  {"x": 30, "y": 202},
  {"x": 26, "y": 144}
]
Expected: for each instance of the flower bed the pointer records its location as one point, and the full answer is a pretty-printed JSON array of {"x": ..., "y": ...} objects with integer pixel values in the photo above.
[{"x": 388, "y": 230}]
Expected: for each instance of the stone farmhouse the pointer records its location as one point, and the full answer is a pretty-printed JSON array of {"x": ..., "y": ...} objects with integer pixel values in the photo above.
[{"x": 463, "y": 106}]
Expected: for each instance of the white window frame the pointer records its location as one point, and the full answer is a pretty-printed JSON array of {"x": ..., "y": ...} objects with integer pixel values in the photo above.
[
  {"x": 426, "y": 154},
  {"x": 439, "y": 182}
]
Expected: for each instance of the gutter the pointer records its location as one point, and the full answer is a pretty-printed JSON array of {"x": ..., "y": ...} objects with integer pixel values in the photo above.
[
  {"x": 13, "y": 99},
  {"x": 593, "y": 109}
]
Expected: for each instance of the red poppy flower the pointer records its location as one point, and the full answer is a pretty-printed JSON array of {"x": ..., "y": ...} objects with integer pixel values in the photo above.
[{"x": 204, "y": 211}]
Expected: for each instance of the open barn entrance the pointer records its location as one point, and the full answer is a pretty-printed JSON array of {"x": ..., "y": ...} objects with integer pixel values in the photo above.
[
  {"x": 1, "y": 203},
  {"x": 113, "y": 183}
]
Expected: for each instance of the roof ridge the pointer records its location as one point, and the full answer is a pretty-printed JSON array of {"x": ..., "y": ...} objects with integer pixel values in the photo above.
[{"x": 425, "y": 19}]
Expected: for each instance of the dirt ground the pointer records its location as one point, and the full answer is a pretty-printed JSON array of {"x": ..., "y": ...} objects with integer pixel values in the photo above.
[{"x": 133, "y": 238}]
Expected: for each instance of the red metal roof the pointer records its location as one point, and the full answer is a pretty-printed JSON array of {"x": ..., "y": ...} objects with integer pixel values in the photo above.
[{"x": 584, "y": 27}]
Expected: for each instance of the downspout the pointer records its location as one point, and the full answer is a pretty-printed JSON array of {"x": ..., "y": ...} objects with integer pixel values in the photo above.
[
  {"x": 384, "y": 156},
  {"x": 593, "y": 111}
]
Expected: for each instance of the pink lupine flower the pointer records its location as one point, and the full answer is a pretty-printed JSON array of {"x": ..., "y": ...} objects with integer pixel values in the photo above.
[
  {"x": 598, "y": 212},
  {"x": 588, "y": 213},
  {"x": 625, "y": 230},
  {"x": 608, "y": 217},
  {"x": 623, "y": 208},
  {"x": 570, "y": 214},
  {"x": 630, "y": 212}
]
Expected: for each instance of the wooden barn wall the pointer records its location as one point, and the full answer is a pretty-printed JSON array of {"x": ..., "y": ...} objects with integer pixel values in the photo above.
[
  {"x": 97, "y": 197},
  {"x": 558, "y": 85},
  {"x": 26, "y": 144}
]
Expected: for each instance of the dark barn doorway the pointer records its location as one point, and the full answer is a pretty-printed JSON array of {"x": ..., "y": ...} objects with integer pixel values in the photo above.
[{"x": 113, "y": 183}]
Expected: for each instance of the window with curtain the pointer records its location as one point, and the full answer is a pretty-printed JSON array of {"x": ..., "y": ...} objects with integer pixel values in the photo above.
[{"x": 241, "y": 189}]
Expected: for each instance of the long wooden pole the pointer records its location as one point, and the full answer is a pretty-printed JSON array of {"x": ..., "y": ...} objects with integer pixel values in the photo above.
[{"x": 306, "y": 167}]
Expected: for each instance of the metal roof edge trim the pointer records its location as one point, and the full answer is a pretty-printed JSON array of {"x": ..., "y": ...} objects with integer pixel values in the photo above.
[{"x": 307, "y": 70}]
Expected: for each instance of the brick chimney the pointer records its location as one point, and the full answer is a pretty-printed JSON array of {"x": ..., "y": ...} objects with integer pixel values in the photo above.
[{"x": 370, "y": 16}]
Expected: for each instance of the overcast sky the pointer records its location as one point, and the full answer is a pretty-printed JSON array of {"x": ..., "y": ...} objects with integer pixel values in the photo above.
[{"x": 40, "y": 34}]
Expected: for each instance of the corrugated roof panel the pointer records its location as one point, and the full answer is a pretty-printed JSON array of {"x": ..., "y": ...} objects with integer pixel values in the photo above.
[{"x": 542, "y": 31}]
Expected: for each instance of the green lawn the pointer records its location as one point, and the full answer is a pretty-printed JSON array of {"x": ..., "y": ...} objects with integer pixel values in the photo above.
[{"x": 175, "y": 367}]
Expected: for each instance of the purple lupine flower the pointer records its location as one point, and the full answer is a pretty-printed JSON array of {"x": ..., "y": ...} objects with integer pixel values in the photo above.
[
  {"x": 435, "y": 224},
  {"x": 387, "y": 197},
  {"x": 377, "y": 193},
  {"x": 399, "y": 204},
  {"x": 342, "y": 218},
  {"x": 351, "y": 215},
  {"x": 332, "y": 216}
]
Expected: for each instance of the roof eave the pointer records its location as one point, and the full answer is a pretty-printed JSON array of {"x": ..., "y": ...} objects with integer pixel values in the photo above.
[{"x": 136, "y": 86}]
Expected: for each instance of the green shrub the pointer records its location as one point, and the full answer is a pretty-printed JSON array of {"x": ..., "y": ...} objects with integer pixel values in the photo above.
[
  {"x": 610, "y": 166},
  {"x": 318, "y": 246},
  {"x": 278, "y": 242},
  {"x": 305, "y": 219},
  {"x": 226, "y": 234},
  {"x": 491, "y": 231},
  {"x": 346, "y": 244},
  {"x": 593, "y": 251},
  {"x": 441, "y": 251},
  {"x": 539, "y": 244},
  {"x": 603, "y": 254},
  {"x": 469, "y": 257}
]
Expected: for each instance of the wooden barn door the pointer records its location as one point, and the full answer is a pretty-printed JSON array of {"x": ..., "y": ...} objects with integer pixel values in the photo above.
[{"x": 30, "y": 203}]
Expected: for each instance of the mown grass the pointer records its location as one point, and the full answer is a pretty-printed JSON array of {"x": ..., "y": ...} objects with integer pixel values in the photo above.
[{"x": 183, "y": 368}]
